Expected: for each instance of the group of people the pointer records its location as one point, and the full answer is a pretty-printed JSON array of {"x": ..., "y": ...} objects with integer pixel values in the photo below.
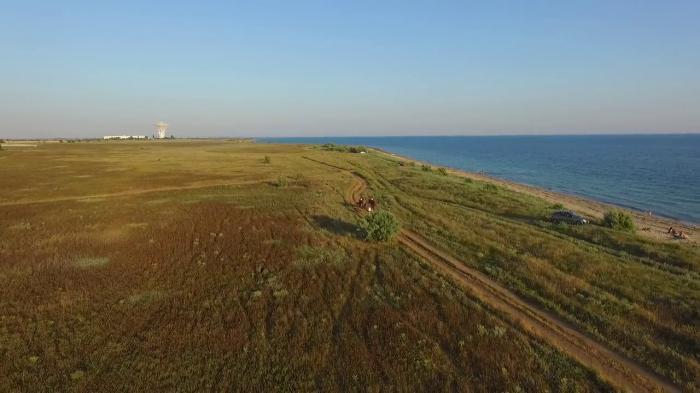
[
  {"x": 677, "y": 234},
  {"x": 367, "y": 204}
]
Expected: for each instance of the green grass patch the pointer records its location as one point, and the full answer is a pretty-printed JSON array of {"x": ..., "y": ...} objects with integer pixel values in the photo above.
[{"x": 91, "y": 262}]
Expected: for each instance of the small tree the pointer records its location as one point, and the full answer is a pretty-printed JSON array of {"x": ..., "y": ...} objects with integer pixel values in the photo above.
[
  {"x": 619, "y": 220},
  {"x": 379, "y": 226}
]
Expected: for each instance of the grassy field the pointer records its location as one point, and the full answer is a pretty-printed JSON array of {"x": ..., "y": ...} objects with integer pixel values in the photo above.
[{"x": 218, "y": 266}]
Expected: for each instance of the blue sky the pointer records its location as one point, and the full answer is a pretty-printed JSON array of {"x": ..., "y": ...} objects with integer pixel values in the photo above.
[{"x": 295, "y": 68}]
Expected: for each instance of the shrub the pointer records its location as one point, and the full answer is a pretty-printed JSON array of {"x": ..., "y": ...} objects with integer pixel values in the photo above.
[
  {"x": 357, "y": 149},
  {"x": 426, "y": 168},
  {"x": 267, "y": 160},
  {"x": 281, "y": 181},
  {"x": 490, "y": 187},
  {"x": 557, "y": 206},
  {"x": 468, "y": 180},
  {"x": 379, "y": 226},
  {"x": 343, "y": 148},
  {"x": 442, "y": 171},
  {"x": 618, "y": 220}
]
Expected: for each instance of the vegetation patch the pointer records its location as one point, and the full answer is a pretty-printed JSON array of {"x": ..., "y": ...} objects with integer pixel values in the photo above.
[
  {"x": 344, "y": 148},
  {"x": 311, "y": 257},
  {"x": 137, "y": 225},
  {"x": 21, "y": 226},
  {"x": 145, "y": 297},
  {"x": 91, "y": 262},
  {"x": 379, "y": 226},
  {"x": 490, "y": 187},
  {"x": 618, "y": 220}
]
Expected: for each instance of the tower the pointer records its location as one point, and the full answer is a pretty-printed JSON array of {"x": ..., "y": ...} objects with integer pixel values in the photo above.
[{"x": 161, "y": 129}]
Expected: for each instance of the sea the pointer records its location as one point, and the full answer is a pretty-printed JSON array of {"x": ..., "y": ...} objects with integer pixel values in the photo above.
[{"x": 650, "y": 173}]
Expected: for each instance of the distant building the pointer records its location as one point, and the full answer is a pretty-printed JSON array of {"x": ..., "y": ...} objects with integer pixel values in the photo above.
[{"x": 124, "y": 137}]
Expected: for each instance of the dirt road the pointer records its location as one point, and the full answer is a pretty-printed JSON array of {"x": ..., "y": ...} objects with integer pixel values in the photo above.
[{"x": 617, "y": 369}]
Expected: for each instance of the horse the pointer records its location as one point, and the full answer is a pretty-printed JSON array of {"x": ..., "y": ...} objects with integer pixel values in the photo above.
[{"x": 372, "y": 204}]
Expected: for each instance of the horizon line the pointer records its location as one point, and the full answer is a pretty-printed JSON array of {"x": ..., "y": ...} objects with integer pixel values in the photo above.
[{"x": 378, "y": 136}]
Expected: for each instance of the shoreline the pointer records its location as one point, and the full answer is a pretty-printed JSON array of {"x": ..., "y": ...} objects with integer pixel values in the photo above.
[{"x": 649, "y": 226}]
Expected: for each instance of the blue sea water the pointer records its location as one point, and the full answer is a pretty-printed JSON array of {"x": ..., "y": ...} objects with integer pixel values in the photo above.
[{"x": 657, "y": 173}]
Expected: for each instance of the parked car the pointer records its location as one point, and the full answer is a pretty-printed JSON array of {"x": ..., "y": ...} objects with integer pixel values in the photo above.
[{"x": 568, "y": 217}]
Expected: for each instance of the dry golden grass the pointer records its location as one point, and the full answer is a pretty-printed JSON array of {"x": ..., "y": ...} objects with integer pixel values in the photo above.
[{"x": 234, "y": 283}]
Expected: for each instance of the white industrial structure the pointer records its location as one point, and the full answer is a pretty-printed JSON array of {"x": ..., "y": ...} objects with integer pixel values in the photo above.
[
  {"x": 124, "y": 137},
  {"x": 161, "y": 129}
]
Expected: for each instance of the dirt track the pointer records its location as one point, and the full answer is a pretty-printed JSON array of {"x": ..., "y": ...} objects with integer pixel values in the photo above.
[{"x": 615, "y": 368}]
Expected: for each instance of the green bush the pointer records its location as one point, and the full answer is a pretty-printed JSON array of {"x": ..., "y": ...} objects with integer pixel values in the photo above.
[
  {"x": 557, "y": 206},
  {"x": 442, "y": 171},
  {"x": 379, "y": 226},
  {"x": 281, "y": 181},
  {"x": 618, "y": 220},
  {"x": 491, "y": 187},
  {"x": 468, "y": 180},
  {"x": 426, "y": 168},
  {"x": 343, "y": 148}
]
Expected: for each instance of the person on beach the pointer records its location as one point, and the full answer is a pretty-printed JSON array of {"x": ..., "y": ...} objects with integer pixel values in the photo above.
[{"x": 371, "y": 204}]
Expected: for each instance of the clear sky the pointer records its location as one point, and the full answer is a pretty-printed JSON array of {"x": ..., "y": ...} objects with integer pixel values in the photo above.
[{"x": 296, "y": 68}]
